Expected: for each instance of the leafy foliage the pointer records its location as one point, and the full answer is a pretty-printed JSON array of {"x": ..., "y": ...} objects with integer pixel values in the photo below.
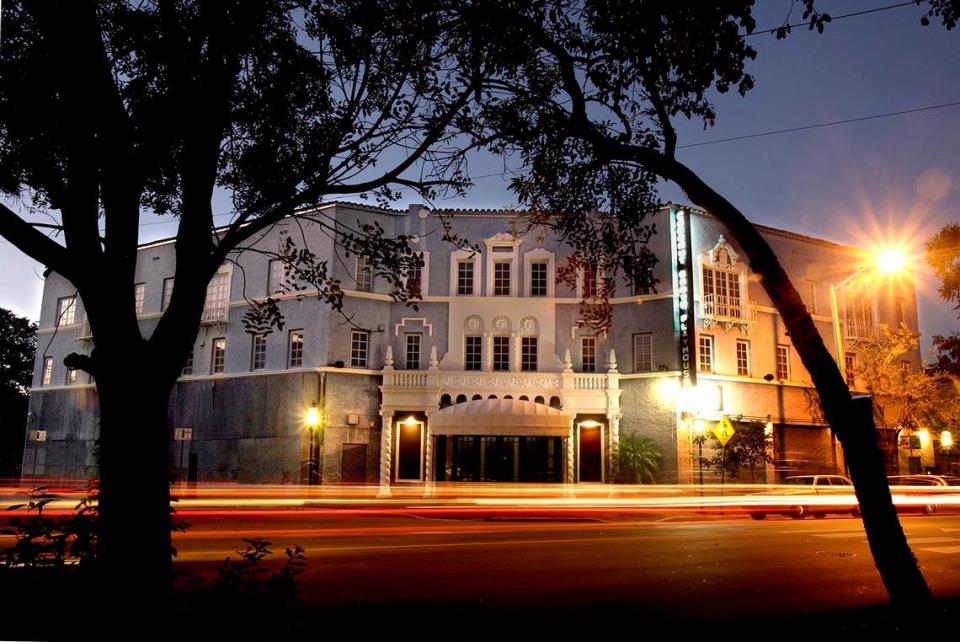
[
  {"x": 18, "y": 342},
  {"x": 250, "y": 579},
  {"x": 41, "y": 540},
  {"x": 904, "y": 397},
  {"x": 943, "y": 255},
  {"x": 749, "y": 447},
  {"x": 638, "y": 459}
]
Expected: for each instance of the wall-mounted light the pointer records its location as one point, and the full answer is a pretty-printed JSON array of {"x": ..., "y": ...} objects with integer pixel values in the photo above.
[
  {"x": 590, "y": 423},
  {"x": 312, "y": 417}
]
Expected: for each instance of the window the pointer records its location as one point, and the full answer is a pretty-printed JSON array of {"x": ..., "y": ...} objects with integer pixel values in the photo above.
[
  {"x": 528, "y": 354},
  {"x": 538, "y": 279},
  {"x": 188, "y": 365},
  {"x": 904, "y": 371},
  {"x": 276, "y": 277},
  {"x": 783, "y": 362},
  {"x": 643, "y": 352},
  {"x": 590, "y": 281},
  {"x": 167, "y": 293},
  {"x": 859, "y": 317},
  {"x": 501, "y": 353},
  {"x": 743, "y": 358},
  {"x": 66, "y": 311},
  {"x": 588, "y": 354},
  {"x": 218, "y": 355},
  {"x": 721, "y": 293},
  {"x": 359, "y": 340},
  {"x": 643, "y": 283},
  {"x": 465, "y": 277},
  {"x": 415, "y": 277},
  {"x": 139, "y": 291},
  {"x": 413, "y": 352},
  {"x": 364, "y": 276},
  {"x": 218, "y": 296},
  {"x": 295, "y": 358},
  {"x": 473, "y": 350},
  {"x": 501, "y": 279},
  {"x": 47, "y": 377},
  {"x": 259, "y": 359},
  {"x": 706, "y": 353},
  {"x": 72, "y": 376},
  {"x": 850, "y": 366}
]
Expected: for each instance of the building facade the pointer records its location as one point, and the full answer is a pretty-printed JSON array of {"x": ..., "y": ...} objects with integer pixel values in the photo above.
[{"x": 494, "y": 377}]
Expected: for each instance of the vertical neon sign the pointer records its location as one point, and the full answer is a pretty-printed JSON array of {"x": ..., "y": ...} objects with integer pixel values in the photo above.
[{"x": 683, "y": 260}]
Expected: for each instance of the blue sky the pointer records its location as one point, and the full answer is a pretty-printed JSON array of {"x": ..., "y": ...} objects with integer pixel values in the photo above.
[{"x": 888, "y": 179}]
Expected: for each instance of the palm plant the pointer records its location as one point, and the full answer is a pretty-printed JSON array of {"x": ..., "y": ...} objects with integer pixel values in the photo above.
[{"x": 638, "y": 459}]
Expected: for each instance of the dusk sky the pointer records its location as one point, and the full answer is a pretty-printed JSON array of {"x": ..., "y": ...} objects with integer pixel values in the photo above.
[{"x": 864, "y": 183}]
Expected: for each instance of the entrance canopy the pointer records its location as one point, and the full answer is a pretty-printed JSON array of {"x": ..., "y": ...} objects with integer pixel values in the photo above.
[{"x": 500, "y": 417}]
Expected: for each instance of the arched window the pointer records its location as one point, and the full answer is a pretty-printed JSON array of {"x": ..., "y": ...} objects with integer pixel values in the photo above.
[
  {"x": 477, "y": 397},
  {"x": 538, "y": 399},
  {"x": 524, "y": 398},
  {"x": 508, "y": 396},
  {"x": 444, "y": 401},
  {"x": 492, "y": 397},
  {"x": 461, "y": 398},
  {"x": 555, "y": 402}
]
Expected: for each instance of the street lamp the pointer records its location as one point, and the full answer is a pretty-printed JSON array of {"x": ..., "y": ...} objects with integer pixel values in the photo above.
[
  {"x": 700, "y": 428},
  {"x": 889, "y": 262},
  {"x": 946, "y": 443},
  {"x": 313, "y": 421}
]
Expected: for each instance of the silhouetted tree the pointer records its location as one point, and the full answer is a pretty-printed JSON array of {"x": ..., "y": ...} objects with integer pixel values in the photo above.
[
  {"x": 110, "y": 109},
  {"x": 591, "y": 116},
  {"x": 18, "y": 343}
]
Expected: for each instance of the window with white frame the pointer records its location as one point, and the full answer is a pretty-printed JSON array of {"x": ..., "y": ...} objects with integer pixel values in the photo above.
[
  {"x": 473, "y": 350},
  {"x": 359, "y": 342},
  {"x": 850, "y": 366},
  {"x": 705, "y": 355},
  {"x": 501, "y": 353},
  {"x": 218, "y": 298},
  {"x": 258, "y": 359},
  {"x": 139, "y": 292},
  {"x": 66, "y": 311},
  {"x": 538, "y": 279},
  {"x": 643, "y": 352},
  {"x": 528, "y": 354},
  {"x": 783, "y": 362},
  {"x": 743, "y": 358},
  {"x": 413, "y": 351},
  {"x": 218, "y": 355},
  {"x": 416, "y": 283},
  {"x": 465, "y": 278},
  {"x": 167, "y": 293},
  {"x": 276, "y": 277},
  {"x": 188, "y": 365},
  {"x": 364, "y": 274},
  {"x": 47, "y": 376},
  {"x": 588, "y": 354},
  {"x": 73, "y": 376},
  {"x": 721, "y": 293},
  {"x": 295, "y": 356},
  {"x": 591, "y": 282},
  {"x": 859, "y": 316},
  {"x": 501, "y": 278}
]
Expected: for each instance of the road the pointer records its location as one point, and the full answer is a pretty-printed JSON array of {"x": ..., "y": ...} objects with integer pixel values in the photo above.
[{"x": 695, "y": 568}]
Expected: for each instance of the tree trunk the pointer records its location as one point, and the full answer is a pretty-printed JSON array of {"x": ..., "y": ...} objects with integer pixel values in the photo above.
[
  {"x": 850, "y": 419},
  {"x": 134, "y": 549}
]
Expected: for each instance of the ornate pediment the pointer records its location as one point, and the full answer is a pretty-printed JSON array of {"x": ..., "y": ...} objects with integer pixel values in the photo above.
[{"x": 723, "y": 256}]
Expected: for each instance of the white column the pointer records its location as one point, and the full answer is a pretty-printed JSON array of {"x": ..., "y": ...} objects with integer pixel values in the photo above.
[
  {"x": 613, "y": 451},
  {"x": 515, "y": 341},
  {"x": 571, "y": 452},
  {"x": 386, "y": 452},
  {"x": 488, "y": 351},
  {"x": 428, "y": 463}
]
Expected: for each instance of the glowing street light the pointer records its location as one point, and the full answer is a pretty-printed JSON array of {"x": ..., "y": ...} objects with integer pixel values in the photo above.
[
  {"x": 888, "y": 262},
  {"x": 313, "y": 421},
  {"x": 946, "y": 439}
]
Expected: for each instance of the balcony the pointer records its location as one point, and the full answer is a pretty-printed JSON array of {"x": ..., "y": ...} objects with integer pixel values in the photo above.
[
  {"x": 727, "y": 312},
  {"x": 214, "y": 316},
  {"x": 860, "y": 331}
]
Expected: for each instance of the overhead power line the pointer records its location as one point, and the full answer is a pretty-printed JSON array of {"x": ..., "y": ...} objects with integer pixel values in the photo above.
[
  {"x": 835, "y": 18},
  {"x": 832, "y": 123}
]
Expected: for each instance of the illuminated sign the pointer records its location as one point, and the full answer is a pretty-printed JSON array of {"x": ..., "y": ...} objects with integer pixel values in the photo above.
[{"x": 683, "y": 264}]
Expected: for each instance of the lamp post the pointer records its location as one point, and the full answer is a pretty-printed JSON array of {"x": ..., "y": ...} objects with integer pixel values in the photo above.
[
  {"x": 946, "y": 443},
  {"x": 313, "y": 423},
  {"x": 700, "y": 429}
]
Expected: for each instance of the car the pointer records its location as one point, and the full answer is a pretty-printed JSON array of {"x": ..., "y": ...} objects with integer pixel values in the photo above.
[
  {"x": 817, "y": 487},
  {"x": 920, "y": 485}
]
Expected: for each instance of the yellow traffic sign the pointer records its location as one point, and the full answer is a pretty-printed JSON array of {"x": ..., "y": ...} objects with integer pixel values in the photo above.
[{"x": 724, "y": 430}]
